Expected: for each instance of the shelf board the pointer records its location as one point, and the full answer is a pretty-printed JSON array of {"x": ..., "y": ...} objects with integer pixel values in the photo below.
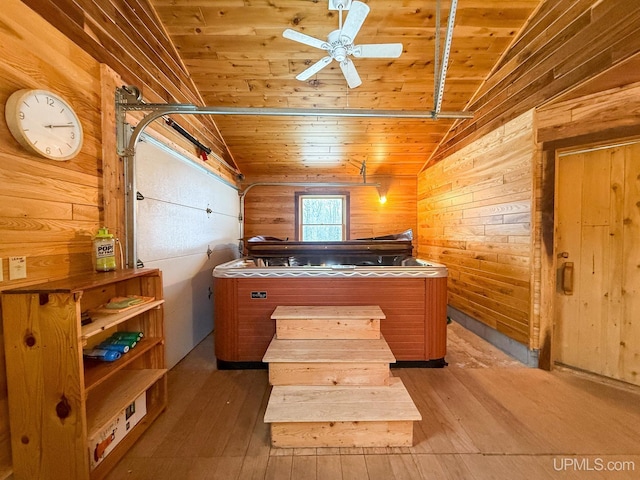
[
  {"x": 109, "y": 399},
  {"x": 84, "y": 281},
  {"x": 103, "y": 321},
  {"x": 96, "y": 372}
]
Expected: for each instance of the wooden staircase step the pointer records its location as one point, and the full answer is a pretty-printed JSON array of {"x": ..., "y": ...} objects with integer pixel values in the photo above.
[
  {"x": 357, "y": 416},
  {"x": 329, "y": 374},
  {"x": 332, "y": 350},
  {"x": 327, "y": 312},
  {"x": 328, "y": 322},
  {"x": 341, "y": 404},
  {"x": 329, "y": 362},
  {"x": 342, "y": 434}
]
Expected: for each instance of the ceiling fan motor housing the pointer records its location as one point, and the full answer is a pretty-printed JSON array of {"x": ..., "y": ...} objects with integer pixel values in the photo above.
[{"x": 338, "y": 50}]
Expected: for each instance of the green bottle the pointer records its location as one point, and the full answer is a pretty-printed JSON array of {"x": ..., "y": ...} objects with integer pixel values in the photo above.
[{"x": 137, "y": 336}]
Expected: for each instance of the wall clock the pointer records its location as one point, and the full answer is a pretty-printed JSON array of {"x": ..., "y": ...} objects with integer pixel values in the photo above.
[{"x": 44, "y": 124}]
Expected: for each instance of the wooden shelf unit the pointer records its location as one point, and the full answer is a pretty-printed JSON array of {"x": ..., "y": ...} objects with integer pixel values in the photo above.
[{"x": 57, "y": 399}]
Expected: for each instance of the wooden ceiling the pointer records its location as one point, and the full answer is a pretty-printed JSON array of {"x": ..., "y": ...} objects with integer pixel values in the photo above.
[{"x": 237, "y": 57}]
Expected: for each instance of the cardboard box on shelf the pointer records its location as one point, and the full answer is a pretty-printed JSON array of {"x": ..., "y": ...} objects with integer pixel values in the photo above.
[{"x": 105, "y": 441}]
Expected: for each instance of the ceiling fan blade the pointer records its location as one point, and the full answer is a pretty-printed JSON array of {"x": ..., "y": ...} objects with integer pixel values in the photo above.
[
  {"x": 315, "y": 68},
  {"x": 350, "y": 73},
  {"x": 378, "y": 50},
  {"x": 306, "y": 39},
  {"x": 357, "y": 13}
]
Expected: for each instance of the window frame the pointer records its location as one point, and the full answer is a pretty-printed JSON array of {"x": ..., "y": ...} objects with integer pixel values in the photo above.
[{"x": 328, "y": 194}]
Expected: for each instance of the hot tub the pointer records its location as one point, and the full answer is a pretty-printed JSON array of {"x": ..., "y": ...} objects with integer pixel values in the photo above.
[{"x": 413, "y": 296}]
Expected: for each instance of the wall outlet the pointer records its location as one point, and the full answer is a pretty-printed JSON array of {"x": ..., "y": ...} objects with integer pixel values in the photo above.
[{"x": 17, "y": 268}]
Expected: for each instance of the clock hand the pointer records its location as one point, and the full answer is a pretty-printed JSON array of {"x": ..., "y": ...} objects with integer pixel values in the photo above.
[{"x": 58, "y": 126}]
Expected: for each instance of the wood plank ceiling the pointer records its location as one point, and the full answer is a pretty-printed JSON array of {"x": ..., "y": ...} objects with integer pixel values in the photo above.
[{"x": 237, "y": 57}]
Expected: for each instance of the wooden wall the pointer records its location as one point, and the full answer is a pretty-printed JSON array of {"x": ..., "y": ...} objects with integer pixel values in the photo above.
[
  {"x": 49, "y": 211},
  {"x": 128, "y": 37},
  {"x": 504, "y": 274},
  {"x": 563, "y": 45},
  {"x": 270, "y": 210},
  {"x": 474, "y": 215},
  {"x": 568, "y": 50}
]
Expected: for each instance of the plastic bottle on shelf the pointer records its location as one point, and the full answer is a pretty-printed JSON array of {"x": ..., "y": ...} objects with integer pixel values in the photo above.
[
  {"x": 101, "y": 354},
  {"x": 137, "y": 336},
  {"x": 129, "y": 342},
  {"x": 104, "y": 250},
  {"x": 113, "y": 346}
]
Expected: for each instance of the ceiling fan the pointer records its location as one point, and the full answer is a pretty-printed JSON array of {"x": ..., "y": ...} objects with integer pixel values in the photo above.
[{"x": 339, "y": 44}]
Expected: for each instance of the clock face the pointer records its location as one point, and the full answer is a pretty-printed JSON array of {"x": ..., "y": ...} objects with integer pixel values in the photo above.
[{"x": 44, "y": 123}]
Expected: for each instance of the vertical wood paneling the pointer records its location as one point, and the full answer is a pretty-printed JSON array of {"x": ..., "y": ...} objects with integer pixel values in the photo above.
[
  {"x": 270, "y": 210},
  {"x": 597, "y": 229},
  {"x": 113, "y": 191},
  {"x": 474, "y": 215},
  {"x": 630, "y": 329},
  {"x": 597, "y": 117}
]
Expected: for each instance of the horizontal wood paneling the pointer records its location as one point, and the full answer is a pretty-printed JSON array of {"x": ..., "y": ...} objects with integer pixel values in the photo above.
[
  {"x": 612, "y": 113},
  {"x": 474, "y": 215},
  {"x": 414, "y": 326},
  {"x": 563, "y": 45},
  {"x": 238, "y": 57},
  {"x": 49, "y": 211},
  {"x": 278, "y": 146},
  {"x": 127, "y": 36},
  {"x": 270, "y": 210}
]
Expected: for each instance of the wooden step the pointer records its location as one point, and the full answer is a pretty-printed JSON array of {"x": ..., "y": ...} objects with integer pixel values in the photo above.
[
  {"x": 327, "y": 322},
  {"x": 341, "y": 416},
  {"x": 329, "y": 362}
]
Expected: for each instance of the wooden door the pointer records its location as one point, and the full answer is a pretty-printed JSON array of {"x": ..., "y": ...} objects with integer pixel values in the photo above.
[{"x": 597, "y": 320}]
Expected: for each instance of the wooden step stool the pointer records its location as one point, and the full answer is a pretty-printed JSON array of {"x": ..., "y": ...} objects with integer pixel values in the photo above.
[
  {"x": 329, "y": 362},
  {"x": 341, "y": 416},
  {"x": 320, "y": 322},
  {"x": 332, "y": 384}
]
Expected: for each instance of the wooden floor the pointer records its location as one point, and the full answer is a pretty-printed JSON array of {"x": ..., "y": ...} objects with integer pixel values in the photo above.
[{"x": 485, "y": 416}]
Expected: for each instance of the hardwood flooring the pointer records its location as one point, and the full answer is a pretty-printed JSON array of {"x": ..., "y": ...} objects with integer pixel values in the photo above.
[{"x": 485, "y": 416}]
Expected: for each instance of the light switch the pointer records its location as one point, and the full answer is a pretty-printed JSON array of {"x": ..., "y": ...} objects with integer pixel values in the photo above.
[{"x": 17, "y": 268}]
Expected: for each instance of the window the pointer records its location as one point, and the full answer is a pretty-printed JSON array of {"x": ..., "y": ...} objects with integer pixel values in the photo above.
[{"x": 322, "y": 218}]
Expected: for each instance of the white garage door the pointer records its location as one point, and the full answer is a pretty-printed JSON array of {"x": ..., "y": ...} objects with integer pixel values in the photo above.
[{"x": 186, "y": 224}]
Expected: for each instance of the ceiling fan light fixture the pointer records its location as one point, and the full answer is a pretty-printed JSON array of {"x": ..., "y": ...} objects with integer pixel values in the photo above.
[{"x": 339, "y": 4}]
